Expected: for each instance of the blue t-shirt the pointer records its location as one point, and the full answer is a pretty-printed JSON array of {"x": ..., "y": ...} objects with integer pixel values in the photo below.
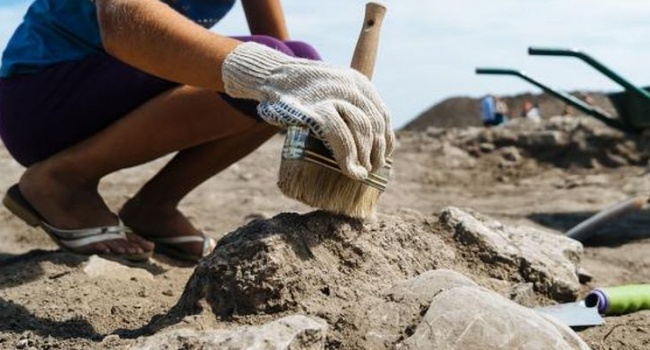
[
  {"x": 487, "y": 109},
  {"x": 56, "y": 31}
]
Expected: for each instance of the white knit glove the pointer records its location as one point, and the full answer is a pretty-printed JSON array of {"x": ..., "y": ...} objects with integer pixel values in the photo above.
[{"x": 339, "y": 105}]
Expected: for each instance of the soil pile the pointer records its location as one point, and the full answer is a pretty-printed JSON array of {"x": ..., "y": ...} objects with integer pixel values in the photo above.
[
  {"x": 308, "y": 268},
  {"x": 465, "y": 111},
  {"x": 337, "y": 269}
]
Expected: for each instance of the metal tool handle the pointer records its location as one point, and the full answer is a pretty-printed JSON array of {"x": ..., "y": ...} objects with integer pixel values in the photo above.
[
  {"x": 641, "y": 93},
  {"x": 585, "y": 230},
  {"x": 498, "y": 71},
  {"x": 621, "y": 299},
  {"x": 546, "y": 51},
  {"x": 365, "y": 53}
]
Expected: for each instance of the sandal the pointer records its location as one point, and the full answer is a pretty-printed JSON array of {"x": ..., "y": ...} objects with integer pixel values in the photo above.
[
  {"x": 170, "y": 246},
  {"x": 68, "y": 240}
]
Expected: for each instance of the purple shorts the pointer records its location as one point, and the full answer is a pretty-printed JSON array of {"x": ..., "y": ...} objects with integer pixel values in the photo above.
[{"x": 49, "y": 111}]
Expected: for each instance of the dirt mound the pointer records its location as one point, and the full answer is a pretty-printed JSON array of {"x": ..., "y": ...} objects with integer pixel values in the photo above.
[
  {"x": 465, "y": 111},
  {"x": 452, "y": 112},
  {"x": 548, "y": 177},
  {"x": 565, "y": 142},
  {"x": 336, "y": 268}
]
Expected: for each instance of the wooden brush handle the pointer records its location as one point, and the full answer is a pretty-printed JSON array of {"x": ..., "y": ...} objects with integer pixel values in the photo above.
[{"x": 363, "y": 59}]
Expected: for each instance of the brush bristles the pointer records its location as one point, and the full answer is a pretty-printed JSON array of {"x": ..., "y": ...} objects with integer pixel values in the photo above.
[{"x": 326, "y": 189}]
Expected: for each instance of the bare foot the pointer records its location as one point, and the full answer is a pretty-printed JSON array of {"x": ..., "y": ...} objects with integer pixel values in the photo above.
[
  {"x": 160, "y": 221},
  {"x": 69, "y": 205}
]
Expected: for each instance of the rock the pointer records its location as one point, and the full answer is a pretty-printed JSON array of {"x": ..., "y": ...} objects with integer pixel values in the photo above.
[
  {"x": 385, "y": 323},
  {"x": 435, "y": 131},
  {"x": 257, "y": 216},
  {"x": 543, "y": 139},
  {"x": 371, "y": 281},
  {"x": 475, "y": 318},
  {"x": 523, "y": 294},
  {"x": 511, "y": 154},
  {"x": 111, "y": 341},
  {"x": 246, "y": 176},
  {"x": 295, "y": 332},
  {"x": 486, "y": 147},
  {"x": 293, "y": 262},
  {"x": 101, "y": 268},
  {"x": 584, "y": 276},
  {"x": 505, "y": 137},
  {"x": 511, "y": 253},
  {"x": 615, "y": 160},
  {"x": 423, "y": 288},
  {"x": 23, "y": 344}
]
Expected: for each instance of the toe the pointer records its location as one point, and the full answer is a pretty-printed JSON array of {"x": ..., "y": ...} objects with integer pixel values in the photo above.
[
  {"x": 118, "y": 246},
  {"x": 142, "y": 244},
  {"x": 97, "y": 248}
]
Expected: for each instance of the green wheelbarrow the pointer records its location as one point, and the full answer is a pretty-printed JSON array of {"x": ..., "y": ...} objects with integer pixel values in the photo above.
[{"x": 632, "y": 104}]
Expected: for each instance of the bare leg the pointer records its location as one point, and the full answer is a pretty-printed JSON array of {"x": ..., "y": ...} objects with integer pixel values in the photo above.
[
  {"x": 63, "y": 188},
  {"x": 153, "y": 211}
]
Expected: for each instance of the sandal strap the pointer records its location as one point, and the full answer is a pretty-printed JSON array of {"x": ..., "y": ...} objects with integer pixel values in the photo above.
[
  {"x": 81, "y": 237},
  {"x": 208, "y": 242},
  {"x": 76, "y": 243},
  {"x": 177, "y": 239}
]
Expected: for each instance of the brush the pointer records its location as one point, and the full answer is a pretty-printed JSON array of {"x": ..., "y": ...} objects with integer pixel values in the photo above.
[{"x": 308, "y": 171}]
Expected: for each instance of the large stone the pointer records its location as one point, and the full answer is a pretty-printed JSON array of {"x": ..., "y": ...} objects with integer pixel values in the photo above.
[
  {"x": 518, "y": 254},
  {"x": 292, "y": 332},
  {"x": 308, "y": 262},
  {"x": 370, "y": 281},
  {"x": 385, "y": 323},
  {"x": 423, "y": 288},
  {"x": 471, "y": 318}
]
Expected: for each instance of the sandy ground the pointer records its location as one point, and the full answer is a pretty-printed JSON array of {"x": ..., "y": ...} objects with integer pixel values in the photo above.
[{"x": 47, "y": 301}]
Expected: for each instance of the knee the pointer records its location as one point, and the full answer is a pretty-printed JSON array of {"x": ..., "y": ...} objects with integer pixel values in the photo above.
[
  {"x": 303, "y": 50},
  {"x": 271, "y": 42},
  {"x": 292, "y": 48}
]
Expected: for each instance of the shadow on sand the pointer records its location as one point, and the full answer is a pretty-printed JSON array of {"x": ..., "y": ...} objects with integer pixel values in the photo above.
[
  {"x": 16, "y": 318},
  {"x": 19, "y": 269}
]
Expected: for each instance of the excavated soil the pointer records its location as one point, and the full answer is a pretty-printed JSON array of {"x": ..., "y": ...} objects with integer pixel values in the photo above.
[{"x": 549, "y": 176}]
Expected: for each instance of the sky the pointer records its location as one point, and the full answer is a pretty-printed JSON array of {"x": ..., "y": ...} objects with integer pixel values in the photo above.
[{"x": 430, "y": 48}]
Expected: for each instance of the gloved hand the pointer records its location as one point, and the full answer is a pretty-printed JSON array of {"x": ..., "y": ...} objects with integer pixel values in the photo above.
[{"x": 339, "y": 105}]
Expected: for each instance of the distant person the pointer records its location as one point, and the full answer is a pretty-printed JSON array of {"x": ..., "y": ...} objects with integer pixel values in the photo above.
[
  {"x": 501, "y": 111},
  {"x": 531, "y": 111},
  {"x": 524, "y": 110},
  {"x": 534, "y": 113},
  {"x": 488, "y": 110}
]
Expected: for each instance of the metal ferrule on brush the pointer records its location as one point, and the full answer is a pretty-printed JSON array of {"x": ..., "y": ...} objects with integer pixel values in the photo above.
[{"x": 300, "y": 144}]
